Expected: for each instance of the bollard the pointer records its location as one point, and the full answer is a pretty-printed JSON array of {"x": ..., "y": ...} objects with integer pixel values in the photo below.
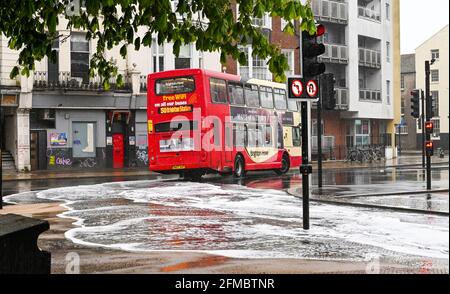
[{"x": 19, "y": 253}]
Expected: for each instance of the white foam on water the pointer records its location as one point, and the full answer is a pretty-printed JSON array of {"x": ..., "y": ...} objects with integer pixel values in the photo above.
[{"x": 243, "y": 223}]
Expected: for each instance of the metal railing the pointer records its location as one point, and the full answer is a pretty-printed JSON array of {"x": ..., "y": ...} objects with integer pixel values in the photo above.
[
  {"x": 370, "y": 95},
  {"x": 369, "y": 13},
  {"x": 66, "y": 81},
  {"x": 335, "y": 53},
  {"x": 369, "y": 58},
  {"x": 331, "y": 11}
]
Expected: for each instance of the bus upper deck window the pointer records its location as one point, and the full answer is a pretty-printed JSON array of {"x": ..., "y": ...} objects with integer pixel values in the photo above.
[
  {"x": 236, "y": 93},
  {"x": 251, "y": 96},
  {"x": 266, "y": 97},
  {"x": 218, "y": 89},
  {"x": 280, "y": 99}
]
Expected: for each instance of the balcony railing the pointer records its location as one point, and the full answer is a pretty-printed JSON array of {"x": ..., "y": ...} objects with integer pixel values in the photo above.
[
  {"x": 369, "y": 13},
  {"x": 369, "y": 58},
  {"x": 67, "y": 82},
  {"x": 331, "y": 11},
  {"x": 335, "y": 53},
  {"x": 370, "y": 95}
]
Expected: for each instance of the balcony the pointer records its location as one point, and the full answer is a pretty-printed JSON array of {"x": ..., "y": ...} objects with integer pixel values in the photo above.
[
  {"x": 370, "y": 14},
  {"x": 370, "y": 95},
  {"x": 330, "y": 11},
  {"x": 64, "y": 81},
  {"x": 369, "y": 58},
  {"x": 335, "y": 53}
]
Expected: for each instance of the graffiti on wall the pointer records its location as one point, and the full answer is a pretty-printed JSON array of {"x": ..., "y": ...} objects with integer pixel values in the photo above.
[
  {"x": 142, "y": 156},
  {"x": 88, "y": 163}
]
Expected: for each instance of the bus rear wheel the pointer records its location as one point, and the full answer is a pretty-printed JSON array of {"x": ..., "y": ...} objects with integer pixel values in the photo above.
[
  {"x": 239, "y": 167},
  {"x": 285, "y": 166}
]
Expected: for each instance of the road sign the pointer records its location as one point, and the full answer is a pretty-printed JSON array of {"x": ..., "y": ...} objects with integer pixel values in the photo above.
[
  {"x": 312, "y": 89},
  {"x": 297, "y": 88},
  {"x": 301, "y": 89}
]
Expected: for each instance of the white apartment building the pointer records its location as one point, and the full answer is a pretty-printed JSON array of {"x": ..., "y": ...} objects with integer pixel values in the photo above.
[
  {"x": 60, "y": 117},
  {"x": 436, "y": 47},
  {"x": 361, "y": 52}
]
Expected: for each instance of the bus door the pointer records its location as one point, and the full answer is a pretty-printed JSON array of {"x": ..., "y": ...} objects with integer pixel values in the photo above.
[
  {"x": 228, "y": 143},
  {"x": 217, "y": 148}
]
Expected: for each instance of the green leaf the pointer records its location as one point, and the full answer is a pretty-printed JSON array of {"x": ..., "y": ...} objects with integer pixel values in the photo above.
[
  {"x": 137, "y": 43},
  {"x": 123, "y": 50}
]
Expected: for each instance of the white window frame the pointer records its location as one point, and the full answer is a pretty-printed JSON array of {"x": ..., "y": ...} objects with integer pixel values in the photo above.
[
  {"x": 435, "y": 52},
  {"x": 388, "y": 92},
  {"x": 250, "y": 66},
  {"x": 290, "y": 55},
  {"x": 388, "y": 11},
  {"x": 157, "y": 51},
  {"x": 431, "y": 76},
  {"x": 266, "y": 19},
  {"x": 388, "y": 51}
]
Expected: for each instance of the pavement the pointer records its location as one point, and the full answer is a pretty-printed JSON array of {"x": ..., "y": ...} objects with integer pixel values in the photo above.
[{"x": 403, "y": 161}]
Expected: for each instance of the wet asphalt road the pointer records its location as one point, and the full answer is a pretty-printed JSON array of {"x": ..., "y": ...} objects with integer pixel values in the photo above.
[{"x": 255, "y": 217}]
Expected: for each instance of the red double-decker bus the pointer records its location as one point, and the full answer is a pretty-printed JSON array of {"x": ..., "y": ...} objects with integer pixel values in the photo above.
[{"x": 202, "y": 121}]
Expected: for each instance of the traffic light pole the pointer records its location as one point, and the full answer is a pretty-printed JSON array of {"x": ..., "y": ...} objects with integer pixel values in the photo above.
[
  {"x": 305, "y": 168},
  {"x": 422, "y": 118},
  {"x": 428, "y": 114}
]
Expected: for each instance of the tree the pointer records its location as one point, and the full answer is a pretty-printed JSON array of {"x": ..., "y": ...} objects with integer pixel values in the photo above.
[{"x": 31, "y": 28}]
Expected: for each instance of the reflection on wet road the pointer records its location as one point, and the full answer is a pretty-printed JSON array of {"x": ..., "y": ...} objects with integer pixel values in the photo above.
[{"x": 256, "y": 220}]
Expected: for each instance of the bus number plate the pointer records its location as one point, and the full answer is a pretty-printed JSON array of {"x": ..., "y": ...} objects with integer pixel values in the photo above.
[{"x": 178, "y": 167}]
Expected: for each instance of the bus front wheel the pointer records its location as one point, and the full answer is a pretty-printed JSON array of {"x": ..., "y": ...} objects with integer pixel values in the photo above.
[{"x": 239, "y": 167}]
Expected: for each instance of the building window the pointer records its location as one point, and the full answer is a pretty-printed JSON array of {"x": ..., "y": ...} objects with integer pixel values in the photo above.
[
  {"x": 388, "y": 92},
  {"x": 435, "y": 54},
  {"x": 83, "y": 135},
  {"x": 290, "y": 59},
  {"x": 260, "y": 69},
  {"x": 184, "y": 58},
  {"x": 79, "y": 56},
  {"x": 388, "y": 51},
  {"x": 314, "y": 128},
  {"x": 256, "y": 67},
  {"x": 388, "y": 11},
  {"x": 403, "y": 106},
  {"x": 53, "y": 67},
  {"x": 436, "y": 127},
  {"x": 158, "y": 56},
  {"x": 435, "y": 75},
  {"x": 362, "y": 132},
  {"x": 402, "y": 82},
  {"x": 435, "y": 102}
]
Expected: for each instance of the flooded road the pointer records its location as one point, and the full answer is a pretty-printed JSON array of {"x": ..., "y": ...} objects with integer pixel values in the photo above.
[{"x": 253, "y": 218}]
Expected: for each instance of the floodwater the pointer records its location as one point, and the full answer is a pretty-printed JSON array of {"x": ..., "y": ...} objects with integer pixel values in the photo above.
[{"x": 253, "y": 218}]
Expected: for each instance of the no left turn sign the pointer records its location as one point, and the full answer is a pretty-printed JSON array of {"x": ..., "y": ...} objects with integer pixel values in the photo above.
[{"x": 297, "y": 88}]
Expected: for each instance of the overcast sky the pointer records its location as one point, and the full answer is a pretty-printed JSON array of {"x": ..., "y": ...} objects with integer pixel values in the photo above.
[{"x": 421, "y": 19}]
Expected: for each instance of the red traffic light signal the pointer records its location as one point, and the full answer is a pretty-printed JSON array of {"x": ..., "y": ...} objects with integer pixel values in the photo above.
[
  {"x": 429, "y": 148},
  {"x": 311, "y": 49},
  {"x": 429, "y": 127}
]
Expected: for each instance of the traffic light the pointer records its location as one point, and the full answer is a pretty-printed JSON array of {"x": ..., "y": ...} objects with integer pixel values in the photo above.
[
  {"x": 429, "y": 148},
  {"x": 415, "y": 103},
  {"x": 310, "y": 51},
  {"x": 327, "y": 82},
  {"x": 429, "y": 127}
]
